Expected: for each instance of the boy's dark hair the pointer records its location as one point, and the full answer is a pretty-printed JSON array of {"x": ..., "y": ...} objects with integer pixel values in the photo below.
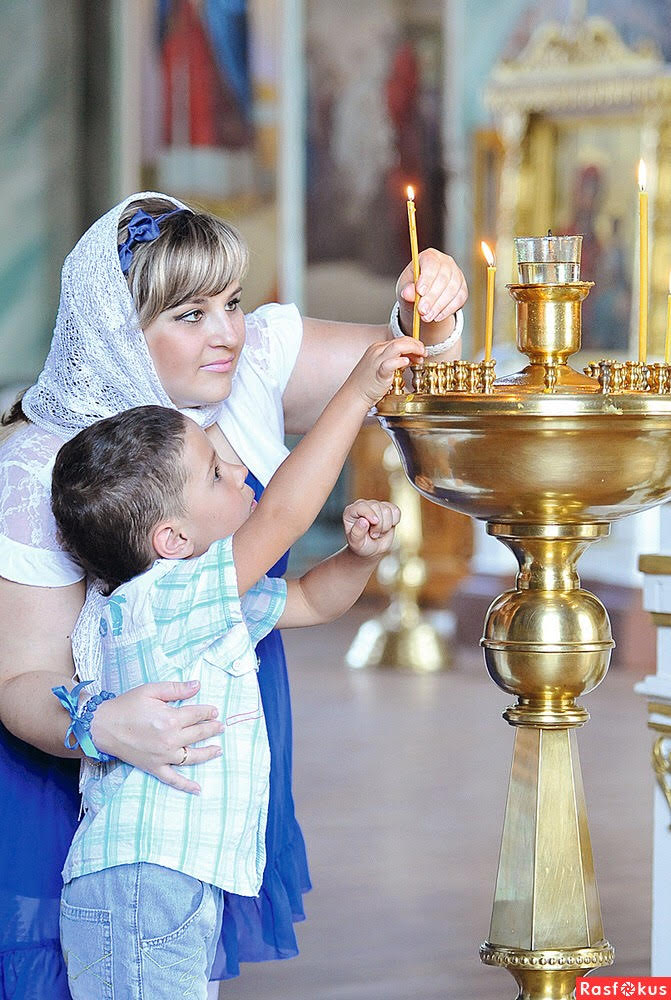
[{"x": 113, "y": 483}]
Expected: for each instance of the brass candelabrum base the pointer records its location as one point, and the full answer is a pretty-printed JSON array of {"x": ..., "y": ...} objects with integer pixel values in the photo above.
[
  {"x": 548, "y": 457},
  {"x": 547, "y": 642}
]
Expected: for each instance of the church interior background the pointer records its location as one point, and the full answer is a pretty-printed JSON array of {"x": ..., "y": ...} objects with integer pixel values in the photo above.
[{"x": 302, "y": 121}]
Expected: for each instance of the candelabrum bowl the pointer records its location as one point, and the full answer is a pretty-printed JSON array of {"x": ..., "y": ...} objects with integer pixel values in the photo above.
[{"x": 538, "y": 458}]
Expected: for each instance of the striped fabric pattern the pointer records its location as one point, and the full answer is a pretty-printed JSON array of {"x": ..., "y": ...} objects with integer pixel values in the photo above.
[{"x": 183, "y": 620}]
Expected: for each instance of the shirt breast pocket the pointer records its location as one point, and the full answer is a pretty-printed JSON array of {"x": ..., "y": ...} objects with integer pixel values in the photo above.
[{"x": 234, "y": 656}]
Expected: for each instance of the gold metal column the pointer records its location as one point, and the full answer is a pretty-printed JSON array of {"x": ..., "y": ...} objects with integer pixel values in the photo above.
[
  {"x": 548, "y": 457},
  {"x": 547, "y": 641}
]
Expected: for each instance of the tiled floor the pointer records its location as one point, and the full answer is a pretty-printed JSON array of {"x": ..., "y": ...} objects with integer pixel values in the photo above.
[{"x": 400, "y": 784}]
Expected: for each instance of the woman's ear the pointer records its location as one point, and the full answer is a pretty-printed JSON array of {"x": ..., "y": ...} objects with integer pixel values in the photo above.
[{"x": 170, "y": 542}]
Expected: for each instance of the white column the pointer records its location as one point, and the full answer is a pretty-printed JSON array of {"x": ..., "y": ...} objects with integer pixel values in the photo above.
[
  {"x": 660, "y": 964},
  {"x": 131, "y": 24},
  {"x": 657, "y": 689},
  {"x": 291, "y": 156}
]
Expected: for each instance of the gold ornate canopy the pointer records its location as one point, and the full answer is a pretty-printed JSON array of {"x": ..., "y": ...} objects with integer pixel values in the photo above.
[{"x": 578, "y": 95}]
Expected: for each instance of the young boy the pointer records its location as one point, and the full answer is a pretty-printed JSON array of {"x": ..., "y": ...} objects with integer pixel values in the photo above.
[{"x": 144, "y": 503}]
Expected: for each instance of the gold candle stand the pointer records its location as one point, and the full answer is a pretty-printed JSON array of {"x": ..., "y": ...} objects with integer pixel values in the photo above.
[
  {"x": 548, "y": 457},
  {"x": 401, "y": 637}
]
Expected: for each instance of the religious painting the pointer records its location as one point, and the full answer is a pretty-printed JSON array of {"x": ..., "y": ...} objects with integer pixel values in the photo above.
[
  {"x": 210, "y": 117},
  {"x": 373, "y": 127},
  {"x": 595, "y": 195},
  {"x": 574, "y": 112}
]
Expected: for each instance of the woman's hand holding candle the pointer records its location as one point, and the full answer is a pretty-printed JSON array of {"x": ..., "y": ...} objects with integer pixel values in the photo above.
[{"x": 442, "y": 291}]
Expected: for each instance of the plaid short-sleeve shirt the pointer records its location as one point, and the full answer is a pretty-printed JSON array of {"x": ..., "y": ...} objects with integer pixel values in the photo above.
[{"x": 183, "y": 620}]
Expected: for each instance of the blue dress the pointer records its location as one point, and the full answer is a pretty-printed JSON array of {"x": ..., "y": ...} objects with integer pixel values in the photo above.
[
  {"x": 259, "y": 928},
  {"x": 38, "y": 817}
]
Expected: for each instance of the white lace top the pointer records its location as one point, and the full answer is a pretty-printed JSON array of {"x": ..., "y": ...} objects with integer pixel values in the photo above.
[{"x": 251, "y": 418}]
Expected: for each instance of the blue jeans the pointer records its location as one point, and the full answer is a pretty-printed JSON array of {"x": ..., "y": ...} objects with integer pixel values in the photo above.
[{"x": 139, "y": 932}]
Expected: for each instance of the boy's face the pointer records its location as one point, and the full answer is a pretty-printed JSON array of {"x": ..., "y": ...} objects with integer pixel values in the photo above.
[{"x": 216, "y": 497}]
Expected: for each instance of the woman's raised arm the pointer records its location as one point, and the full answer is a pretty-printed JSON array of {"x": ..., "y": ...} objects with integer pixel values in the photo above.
[
  {"x": 139, "y": 727},
  {"x": 329, "y": 350}
]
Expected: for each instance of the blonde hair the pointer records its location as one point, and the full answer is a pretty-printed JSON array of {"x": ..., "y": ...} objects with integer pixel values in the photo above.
[{"x": 195, "y": 255}]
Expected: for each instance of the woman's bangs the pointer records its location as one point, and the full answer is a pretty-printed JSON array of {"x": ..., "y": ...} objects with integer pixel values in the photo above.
[{"x": 204, "y": 265}]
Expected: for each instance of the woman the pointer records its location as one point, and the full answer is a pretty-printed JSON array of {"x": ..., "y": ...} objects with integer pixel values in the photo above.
[{"x": 149, "y": 313}]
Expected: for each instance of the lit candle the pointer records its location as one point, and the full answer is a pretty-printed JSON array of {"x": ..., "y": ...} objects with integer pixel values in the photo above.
[
  {"x": 667, "y": 340},
  {"x": 414, "y": 248},
  {"x": 643, "y": 259},
  {"x": 489, "y": 311}
]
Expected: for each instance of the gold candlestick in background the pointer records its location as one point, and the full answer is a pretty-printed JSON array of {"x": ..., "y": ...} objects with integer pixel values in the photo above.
[
  {"x": 401, "y": 637},
  {"x": 414, "y": 249},
  {"x": 489, "y": 311},
  {"x": 643, "y": 264},
  {"x": 667, "y": 339}
]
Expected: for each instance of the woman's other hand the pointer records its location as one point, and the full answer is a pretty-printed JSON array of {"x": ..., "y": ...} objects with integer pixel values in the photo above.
[
  {"x": 442, "y": 290},
  {"x": 142, "y": 728}
]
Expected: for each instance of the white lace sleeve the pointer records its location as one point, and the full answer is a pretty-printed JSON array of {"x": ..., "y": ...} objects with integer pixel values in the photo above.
[
  {"x": 29, "y": 549},
  {"x": 274, "y": 336}
]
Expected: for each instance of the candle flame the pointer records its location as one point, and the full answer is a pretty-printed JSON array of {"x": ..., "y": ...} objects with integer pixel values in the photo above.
[
  {"x": 642, "y": 174},
  {"x": 487, "y": 254},
  {"x": 411, "y": 193},
  {"x": 669, "y": 282}
]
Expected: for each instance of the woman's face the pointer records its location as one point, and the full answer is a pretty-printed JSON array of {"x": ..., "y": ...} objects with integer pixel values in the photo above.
[{"x": 195, "y": 347}]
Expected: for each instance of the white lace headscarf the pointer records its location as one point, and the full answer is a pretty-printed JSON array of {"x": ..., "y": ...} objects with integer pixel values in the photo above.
[{"x": 98, "y": 363}]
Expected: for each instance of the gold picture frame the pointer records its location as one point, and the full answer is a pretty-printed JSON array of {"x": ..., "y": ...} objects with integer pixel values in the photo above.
[{"x": 573, "y": 114}]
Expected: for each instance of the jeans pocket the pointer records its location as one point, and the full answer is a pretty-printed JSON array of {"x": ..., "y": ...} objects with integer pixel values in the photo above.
[
  {"x": 86, "y": 940},
  {"x": 177, "y": 920}
]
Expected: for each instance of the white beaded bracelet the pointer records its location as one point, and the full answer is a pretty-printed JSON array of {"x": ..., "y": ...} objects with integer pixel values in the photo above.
[{"x": 429, "y": 349}]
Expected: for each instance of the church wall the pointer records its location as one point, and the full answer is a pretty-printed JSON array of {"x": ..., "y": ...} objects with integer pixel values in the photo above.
[{"x": 39, "y": 79}]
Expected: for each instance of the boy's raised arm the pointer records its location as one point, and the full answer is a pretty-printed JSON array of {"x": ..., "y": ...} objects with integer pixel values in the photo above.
[{"x": 299, "y": 488}]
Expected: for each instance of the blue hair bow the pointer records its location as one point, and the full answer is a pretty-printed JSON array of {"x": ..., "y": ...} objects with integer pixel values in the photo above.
[{"x": 142, "y": 228}]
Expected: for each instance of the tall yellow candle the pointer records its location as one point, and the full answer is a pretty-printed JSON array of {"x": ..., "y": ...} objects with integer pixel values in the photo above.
[
  {"x": 667, "y": 339},
  {"x": 643, "y": 261},
  {"x": 414, "y": 248},
  {"x": 489, "y": 310}
]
